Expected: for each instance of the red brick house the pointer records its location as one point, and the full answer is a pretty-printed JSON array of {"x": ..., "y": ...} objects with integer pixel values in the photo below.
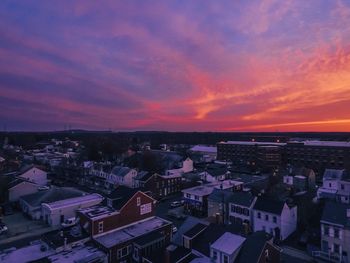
[
  {"x": 126, "y": 228},
  {"x": 160, "y": 185}
]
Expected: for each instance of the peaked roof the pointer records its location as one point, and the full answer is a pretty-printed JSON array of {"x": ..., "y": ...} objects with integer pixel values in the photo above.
[
  {"x": 27, "y": 167},
  {"x": 120, "y": 171},
  {"x": 52, "y": 195},
  {"x": 242, "y": 198},
  {"x": 144, "y": 176},
  {"x": 122, "y": 195},
  {"x": 252, "y": 247},
  {"x": 17, "y": 181},
  {"x": 269, "y": 205},
  {"x": 336, "y": 213}
]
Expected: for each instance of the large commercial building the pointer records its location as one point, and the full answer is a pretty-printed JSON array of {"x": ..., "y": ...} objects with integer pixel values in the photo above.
[{"x": 317, "y": 155}]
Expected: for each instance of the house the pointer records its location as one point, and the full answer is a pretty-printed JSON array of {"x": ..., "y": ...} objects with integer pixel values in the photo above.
[
  {"x": 218, "y": 205},
  {"x": 160, "y": 186},
  {"x": 226, "y": 248},
  {"x": 215, "y": 172},
  {"x": 302, "y": 179},
  {"x": 241, "y": 209},
  {"x": 335, "y": 186},
  {"x": 122, "y": 176},
  {"x": 136, "y": 240},
  {"x": 127, "y": 228},
  {"x": 274, "y": 217},
  {"x": 33, "y": 174},
  {"x": 335, "y": 233},
  {"x": 259, "y": 248},
  {"x": 31, "y": 204},
  {"x": 55, "y": 213},
  {"x": 124, "y": 206},
  {"x": 196, "y": 198},
  {"x": 20, "y": 187},
  {"x": 187, "y": 166}
]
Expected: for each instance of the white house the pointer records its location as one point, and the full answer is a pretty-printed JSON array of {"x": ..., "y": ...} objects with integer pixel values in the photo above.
[
  {"x": 241, "y": 208},
  {"x": 335, "y": 185},
  {"x": 20, "y": 187},
  {"x": 187, "y": 166},
  {"x": 226, "y": 248},
  {"x": 274, "y": 217},
  {"x": 55, "y": 213},
  {"x": 34, "y": 174},
  {"x": 122, "y": 176}
]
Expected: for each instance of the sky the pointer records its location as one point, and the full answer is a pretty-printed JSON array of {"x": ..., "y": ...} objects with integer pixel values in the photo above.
[{"x": 182, "y": 65}]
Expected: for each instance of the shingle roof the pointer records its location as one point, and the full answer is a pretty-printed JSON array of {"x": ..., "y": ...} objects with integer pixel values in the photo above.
[
  {"x": 336, "y": 213},
  {"x": 330, "y": 174},
  {"x": 143, "y": 176},
  {"x": 120, "y": 171},
  {"x": 252, "y": 247},
  {"x": 269, "y": 205},
  {"x": 242, "y": 198},
  {"x": 52, "y": 195},
  {"x": 220, "y": 196}
]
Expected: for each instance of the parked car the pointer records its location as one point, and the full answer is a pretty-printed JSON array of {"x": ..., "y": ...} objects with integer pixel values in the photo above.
[
  {"x": 3, "y": 229},
  {"x": 175, "y": 204},
  {"x": 43, "y": 188},
  {"x": 174, "y": 229},
  {"x": 69, "y": 222}
]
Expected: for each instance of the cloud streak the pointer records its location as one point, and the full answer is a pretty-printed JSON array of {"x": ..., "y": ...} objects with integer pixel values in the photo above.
[{"x": 175, "y": 65}]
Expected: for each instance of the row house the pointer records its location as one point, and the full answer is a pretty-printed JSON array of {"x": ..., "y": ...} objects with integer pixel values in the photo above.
[
  {"x": 274, "y": 217},
  {"x": 159, "y": 185},
  {"x": 335, "y": 186},
  {"x": 196, "y": 198},
  {"x": 335, "y": 233}
]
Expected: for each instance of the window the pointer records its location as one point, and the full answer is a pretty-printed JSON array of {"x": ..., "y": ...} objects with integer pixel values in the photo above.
[
  {"x": 274, "y": 219},
  {"x": 215, "y": 254},
  {"x": 336, "y": 248},
  {"x": 336, "y": 233},
  {"x": 136, "y": 253},
  {"x": 259, "y": 215},
  {"x": 138, "y": 201},
  {"x": 329, "y": 185},
  {"x": 225, "y": 259},
  {"x": 122, "y": 252},
  {"x": 188, "y": 195},
  {"x": 196, "y": 197},
  {"x": 342, "y": 187},
  {"x": 232, "y": 208},
  {"x": 326, "y": 231},
  {"x": 266, "y": 217},
  {"x": 100, "y": 227}
]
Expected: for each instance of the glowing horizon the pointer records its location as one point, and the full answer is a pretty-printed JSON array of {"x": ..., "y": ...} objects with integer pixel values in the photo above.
[{"x": 175, "y": 65}]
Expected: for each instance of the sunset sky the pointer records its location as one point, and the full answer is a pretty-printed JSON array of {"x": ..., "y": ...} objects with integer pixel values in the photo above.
[{"x": 182, "y": 65}]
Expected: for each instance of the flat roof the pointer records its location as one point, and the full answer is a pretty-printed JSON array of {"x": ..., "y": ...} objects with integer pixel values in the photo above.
[
  {"x": 79, "y": 254},
  {"x": 129, "y": 232},
  {"x": 324, "y": 143},
  {"x": 25, "y": 254},
  {"x": 207, "y": 189},
  {"x": 97, "y": 211},
  {"x": 228, "y": 243},
  {"x": 254, "y": 143},
  {"x": 194, "y": 231},
  {"x": 74, "y": 201},
  {"x": 203, "y": 148}
]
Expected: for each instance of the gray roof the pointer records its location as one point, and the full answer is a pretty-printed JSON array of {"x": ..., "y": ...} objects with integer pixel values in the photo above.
[
  {"x": 52, "y": 195},
  {"x": 334, "y": 174},
  {"x": 220, "y": 196},
  {"x": 189, "y": 223},
  {"x": 336, "y": 213},
  {"x": 269, "y": 205},
  {"x": 242, "y": 198},
  {"x": 120, "y": 171}
]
